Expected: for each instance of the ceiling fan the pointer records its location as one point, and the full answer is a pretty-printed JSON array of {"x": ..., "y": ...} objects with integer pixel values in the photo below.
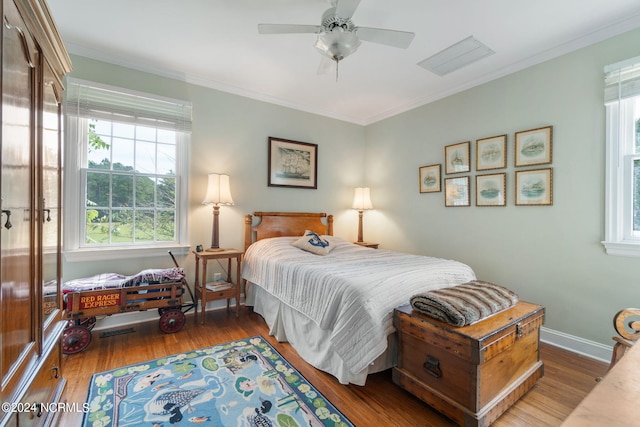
[{"x": 338, "y": 37}]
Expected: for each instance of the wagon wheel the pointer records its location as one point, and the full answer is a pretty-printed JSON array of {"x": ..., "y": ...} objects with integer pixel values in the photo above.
[
  {"x": 163, "y": 310},
  {"x": 172, "y": 321},
  {"x": 75, "y": 339},
  {"x": 87, "y": 322}
]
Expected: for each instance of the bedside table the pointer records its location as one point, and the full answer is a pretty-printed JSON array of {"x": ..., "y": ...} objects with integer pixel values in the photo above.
[
  {"x": 213, "y": 291},
  {"x": 368, "y": 244}
]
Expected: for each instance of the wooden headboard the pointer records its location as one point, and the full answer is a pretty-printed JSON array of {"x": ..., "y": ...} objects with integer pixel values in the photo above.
[{"x": 276, "y": 224}]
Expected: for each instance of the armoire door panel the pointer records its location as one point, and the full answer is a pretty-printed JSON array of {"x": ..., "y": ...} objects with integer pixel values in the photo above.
[
  {"x": 50, "y": 222},
  {"x": 16, "y": 182},
  {"x": 34, "y": 62}
]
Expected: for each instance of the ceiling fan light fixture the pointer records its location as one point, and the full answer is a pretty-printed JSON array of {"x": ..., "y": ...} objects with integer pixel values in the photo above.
[{"x": 337, "y": 44}]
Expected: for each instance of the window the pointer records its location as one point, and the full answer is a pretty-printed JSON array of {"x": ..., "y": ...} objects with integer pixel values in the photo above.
[
  {"x": 125, "y": 176},
  {"x": 622, "y": 101}
]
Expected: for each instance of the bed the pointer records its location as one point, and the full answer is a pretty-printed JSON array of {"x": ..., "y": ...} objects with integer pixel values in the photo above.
[{"x": 336, "y": 309}]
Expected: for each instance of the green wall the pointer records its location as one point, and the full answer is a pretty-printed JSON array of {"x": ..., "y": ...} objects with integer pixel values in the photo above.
[{"x": 549, "y": 255}]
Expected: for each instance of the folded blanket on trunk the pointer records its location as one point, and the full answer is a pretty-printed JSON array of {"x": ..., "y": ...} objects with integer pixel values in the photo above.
[{"x": 464, "y": 304}]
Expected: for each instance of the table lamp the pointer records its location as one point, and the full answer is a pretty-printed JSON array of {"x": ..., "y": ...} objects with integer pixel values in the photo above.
[
  {"x": 361, "y": 201},
  {"x": 218, "y": 193}
]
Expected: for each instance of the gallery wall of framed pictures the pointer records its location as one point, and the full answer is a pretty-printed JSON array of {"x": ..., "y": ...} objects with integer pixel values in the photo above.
[{"x": 532, "y": 175}]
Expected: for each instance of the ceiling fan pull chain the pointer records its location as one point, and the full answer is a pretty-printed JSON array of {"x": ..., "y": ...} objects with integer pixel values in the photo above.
[{"x": 337, "y": 62}]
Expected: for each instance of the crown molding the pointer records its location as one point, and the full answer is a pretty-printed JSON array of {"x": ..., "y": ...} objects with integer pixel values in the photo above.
[{"x": 597, "y": 35}]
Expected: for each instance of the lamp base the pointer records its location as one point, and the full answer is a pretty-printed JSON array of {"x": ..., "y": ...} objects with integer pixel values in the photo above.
[{"x": 214, "y": 250}]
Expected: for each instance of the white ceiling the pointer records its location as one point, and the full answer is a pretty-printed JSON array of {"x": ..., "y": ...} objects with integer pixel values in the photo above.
[{"x": 215, "y": 43}]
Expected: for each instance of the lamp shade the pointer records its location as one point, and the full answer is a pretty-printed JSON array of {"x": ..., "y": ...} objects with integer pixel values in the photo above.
[
  {"x": 218, "y": 190},
  {"x": 362, "y": 199},
  {"x": 337, "y": 44}
]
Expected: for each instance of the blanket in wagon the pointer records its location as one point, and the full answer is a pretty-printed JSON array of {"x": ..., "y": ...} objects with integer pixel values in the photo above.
[{"x": 115, "y": 280}]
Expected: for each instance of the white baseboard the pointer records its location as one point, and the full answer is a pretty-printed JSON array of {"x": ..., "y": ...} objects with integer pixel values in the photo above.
[
  {"x": 126, "y": 319},
  {"x": 592, "y": 349},
  {"x": 121, "y": 320}
]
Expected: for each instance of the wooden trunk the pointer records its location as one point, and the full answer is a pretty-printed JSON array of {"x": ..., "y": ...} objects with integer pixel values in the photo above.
[{"x": 471, "y": 374}]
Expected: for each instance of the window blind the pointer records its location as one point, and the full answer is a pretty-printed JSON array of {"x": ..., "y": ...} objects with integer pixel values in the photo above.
[
  {"x": 622, "y": 80},
  {"x": 90, "y": 100}
]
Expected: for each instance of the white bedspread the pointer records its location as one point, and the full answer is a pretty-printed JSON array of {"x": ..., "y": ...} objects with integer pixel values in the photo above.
[{"x": 352, "y": 291}]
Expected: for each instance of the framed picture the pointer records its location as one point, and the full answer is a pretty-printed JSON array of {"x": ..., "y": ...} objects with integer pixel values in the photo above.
[
  {"x": 491, "y": 190},
  {"x": 534, "y": 187},
  {"x": 456, "y": 157},
  {"x": 491, "y": 153},
  {"x": 456, "y": 192},
  {"x": 430, "y": 178},
  {"x": 534, "y": 147},
  {"x": 292, "y": 164}
]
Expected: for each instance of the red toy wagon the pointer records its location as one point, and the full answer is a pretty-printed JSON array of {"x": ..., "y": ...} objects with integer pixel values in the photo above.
[{"x": 111, "y": 293}]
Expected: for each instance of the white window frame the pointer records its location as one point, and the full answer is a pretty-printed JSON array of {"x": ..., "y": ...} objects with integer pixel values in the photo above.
[
  {"x": 75, "y": 157},
  {"x": 620, "y": 239}
]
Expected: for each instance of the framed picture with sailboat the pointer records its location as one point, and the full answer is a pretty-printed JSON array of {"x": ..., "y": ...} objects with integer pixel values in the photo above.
[
  {"x": 534, "y": 147},
  {"x": 534, "y": 187},
  {"x": 491, "y": 153},
  {"x": 429, "y": 179},
  {"x": 491, "y": 189},
  {"x": 457, "y": 157},
  {"x": 292, "y": 164}
]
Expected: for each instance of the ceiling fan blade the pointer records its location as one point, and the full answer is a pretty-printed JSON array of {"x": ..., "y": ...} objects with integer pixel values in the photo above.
[
  {"x": 288, "y": 28},
  {"x": 401, "y": 39},
  {"x": 346, "y": 8},
  {"x": 326, "y": 65}
]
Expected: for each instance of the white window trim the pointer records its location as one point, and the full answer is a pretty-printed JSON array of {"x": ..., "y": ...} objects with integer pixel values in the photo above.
[
  {"x": 73, "y": 201},
  {"x": 618, "y": 173}
]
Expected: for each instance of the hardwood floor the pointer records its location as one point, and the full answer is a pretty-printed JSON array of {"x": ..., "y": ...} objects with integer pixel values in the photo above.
[{"x": 568, "y": 377}]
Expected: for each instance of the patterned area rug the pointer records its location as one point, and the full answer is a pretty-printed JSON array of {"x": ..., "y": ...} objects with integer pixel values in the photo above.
[{"x": 241, "y": 383}]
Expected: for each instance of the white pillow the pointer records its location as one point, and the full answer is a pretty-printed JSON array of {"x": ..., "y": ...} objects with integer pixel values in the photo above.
[{"x": 312, "y": 242}]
